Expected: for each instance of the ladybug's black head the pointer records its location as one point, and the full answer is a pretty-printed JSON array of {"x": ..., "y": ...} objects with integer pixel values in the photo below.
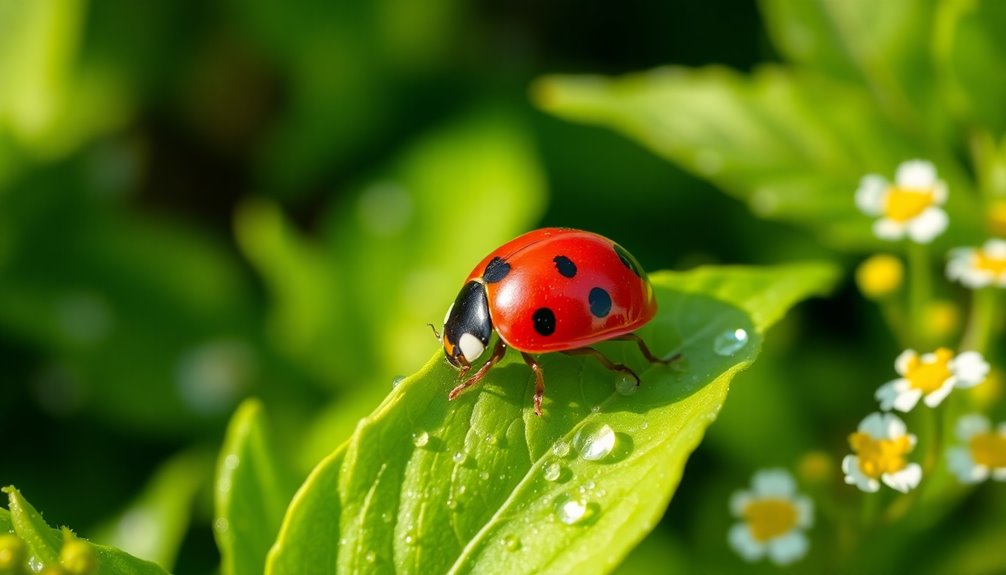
[{"x": 467, "y": 326}]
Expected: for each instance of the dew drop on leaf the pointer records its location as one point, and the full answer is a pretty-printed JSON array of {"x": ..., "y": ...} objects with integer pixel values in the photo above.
[
  {"x": 386, "y": 517},
  {"x": 730, "y": 342},
  {"x": 420, "y": 438},
  {"x": 484, "y": 476},
  {"x": 573, "y": 510},
  {"x": 397, "y": 381},
  {"x": 594, "y": 441},
  {"x": 552, "y": 471},
  {"x": 560, "y": 449},
  {"x": 491, "y": 439},
  {"x": 458, "y": 458},
  {"x": 625, "y": 385},
  {"x": 511, "y": 543},
  {"x": 410, "y": 538},
  {"x": 370, "y": 557}
]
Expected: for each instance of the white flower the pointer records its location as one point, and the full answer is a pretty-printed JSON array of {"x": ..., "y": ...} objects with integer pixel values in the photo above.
[
  {"x": 909, "y": 206},
  {"x": 773, "y": 516},
  {"x": 931, "y": 378},
  {"x": 978, "y": 268},
  {"x": 881, "y": 445},
  {"x": 983, "y": 452}
]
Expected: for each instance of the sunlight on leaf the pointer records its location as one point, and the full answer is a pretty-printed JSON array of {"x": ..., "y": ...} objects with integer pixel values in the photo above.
[
  {"x": 253, "y": 488},
  {"x": 44, "y": 542},
  {"x": 493, "y": 488},
  {"x": 764, "y": 140}
]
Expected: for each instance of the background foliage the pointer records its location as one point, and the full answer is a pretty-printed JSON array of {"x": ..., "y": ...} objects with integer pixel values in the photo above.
[{"x": 205, "y": 202}]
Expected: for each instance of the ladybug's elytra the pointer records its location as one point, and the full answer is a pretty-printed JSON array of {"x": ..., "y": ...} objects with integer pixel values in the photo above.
[{"x": 549, "y": 290}]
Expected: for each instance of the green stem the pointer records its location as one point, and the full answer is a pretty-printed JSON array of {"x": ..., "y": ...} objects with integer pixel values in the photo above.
[
  {"x": 983, "y": 320},
  {"x": 919, "y": 292}
]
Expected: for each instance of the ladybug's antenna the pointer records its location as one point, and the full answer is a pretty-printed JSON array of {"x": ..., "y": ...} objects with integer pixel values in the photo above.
[{"x": 435, "y": 333}]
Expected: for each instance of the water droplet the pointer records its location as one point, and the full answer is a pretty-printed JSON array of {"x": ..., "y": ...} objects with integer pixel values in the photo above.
[
  {"x": 386, "y": 517},
  {"x": 410, "y": 538},
  {"x": 645, "y": 425},
  {"x": 491, "y": 439},
  {"x": 560, "y": 449},
  {"x": 595, "y": 409},
  {"x": 35, "y": 564},
  {"x": 420, "y": 438},
  {"x": 590, "y": 485},
  {"x": 397, "y": 381},
  {"x": 459, "y": 458},
  {"x": 484, "y": 476},
  {"x": 511, "y": 543},
  {"x": 221, "y": 525},
  {"x": 594, "y": 441},
  {"x": 730, "y": 342},
  {"x": 573, "y": 511},
  {"x": 552, "y": 471},
  {"x": 370, "y": 557},
  {"x": 452, "y": 503},
  {"x": 626, "y": 385},
  {"x": 463, "y": 488}
]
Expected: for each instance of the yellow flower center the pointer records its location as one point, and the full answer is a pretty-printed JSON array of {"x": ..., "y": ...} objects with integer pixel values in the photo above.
[
  {"x": 985, "y": 262},
  {"x": 904, "y": 204},
  {"x": 989, "y": 449},
  {"x": 770, "y": 518},
  {"x": 880, "y": 275},
  {"x": 928, "y": 376},
  {"x": 880, "y": 456}
]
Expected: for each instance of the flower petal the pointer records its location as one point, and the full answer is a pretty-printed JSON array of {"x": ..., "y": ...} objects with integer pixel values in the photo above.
[
  {"x": 886, "y": 395},
  {"x": 744, "y": 543},
  {"x": 855, "y": 476},
  {"x": 905, "y": 400},
  {"x": 773, "y": 483},
  {"x": 904, "y": 480},
  {"x": 887, "y": 229},
  {"x": 935, "y": 397},
  {"x": 962, "y": 465},
  {"x": 871, "y": 194},
  {"x": 739, "y": 501},
  {"x": 970, "y": 368},
  {"x": 904, "y": 360},
  {"x": 916, "y": 174},
  {"x": 927, "y": 225},
  {"x": 995, "y": 249},
  {"x": 999, "y": 474},
  {"x": 787, "y": 548},
  {"x": 873, "y": 425},
  {"x": 804, "y": 511},
  {"x": 970, "y": 425},
  {"x": 893, "y": 426}
]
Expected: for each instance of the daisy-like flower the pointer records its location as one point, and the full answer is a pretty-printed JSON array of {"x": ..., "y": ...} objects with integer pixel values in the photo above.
[
  {"x": 910, "y": 206},
  {"x": 930, "y": 377},
  {"x": 881, "y": 444},
  {"x": 773, "y": 516},
  {"x": 979, "y": 267},
  {"x": 983, "y": 453}
]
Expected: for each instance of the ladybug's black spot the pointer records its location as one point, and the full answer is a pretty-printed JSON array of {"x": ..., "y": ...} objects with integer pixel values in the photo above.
[
  {"x": 629, "y": 261},
  {"x": 565, "y": 266},
  {"x": 600, "y": 302},
  {"x": 544, "y": 321},
  {"x": 496, "y": 270}
]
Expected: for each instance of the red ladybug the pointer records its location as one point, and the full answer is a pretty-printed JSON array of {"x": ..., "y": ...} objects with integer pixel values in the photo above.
[{"x": 553, "y": 289}]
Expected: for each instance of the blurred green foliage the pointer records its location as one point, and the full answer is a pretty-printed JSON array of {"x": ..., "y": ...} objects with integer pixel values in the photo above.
[{"x": 206, "y": 202}]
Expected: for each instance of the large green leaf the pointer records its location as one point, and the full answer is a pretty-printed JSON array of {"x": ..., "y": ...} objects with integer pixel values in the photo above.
[
  {"x": 253, "y": 488},
  {"x": 885, "y": 46},
  {"x": 767, "y": 140},
  {"x": 479, "y": 485},
  {"x": 44, "y": 542}
]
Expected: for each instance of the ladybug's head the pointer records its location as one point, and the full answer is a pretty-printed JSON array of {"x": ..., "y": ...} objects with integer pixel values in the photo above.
[{"x": 467, "y": 326}]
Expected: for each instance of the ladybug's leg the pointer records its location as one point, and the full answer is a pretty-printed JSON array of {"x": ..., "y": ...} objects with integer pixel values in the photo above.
[
  {"x": 646, "y": 351},
  {"x": 604, "y": 361},
  {"x": 539, "y": 381},
  {"x": 497, "y": 355}
]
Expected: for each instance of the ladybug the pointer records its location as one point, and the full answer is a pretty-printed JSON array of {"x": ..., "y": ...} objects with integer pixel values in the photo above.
[{"x": 549, "y": 290}]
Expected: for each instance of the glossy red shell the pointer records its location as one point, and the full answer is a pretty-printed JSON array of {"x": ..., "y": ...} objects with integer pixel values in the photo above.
[{"x": 534, "y": 282}]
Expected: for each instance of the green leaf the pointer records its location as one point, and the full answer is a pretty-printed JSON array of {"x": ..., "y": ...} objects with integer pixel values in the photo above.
[
  {"x": 44, "y": 542},
  {"x": 969, "y": 43},
  {"x": 253, "y": 489},
  {"x": 765, "y": 140},
  {"x": 885, "y": 46},
  {"x": 155, "y": 524},
  {"x": 5, "y": 521},
  {"x": 428, "y": 486}
]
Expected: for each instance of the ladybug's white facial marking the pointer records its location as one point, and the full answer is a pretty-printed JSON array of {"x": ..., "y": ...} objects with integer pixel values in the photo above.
[{"x": 471, "y": 347}]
